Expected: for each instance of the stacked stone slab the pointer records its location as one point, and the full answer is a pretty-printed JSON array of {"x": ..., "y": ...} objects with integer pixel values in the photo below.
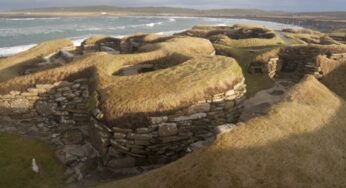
[
  {"x": 169, "y": 136},
  {"x": 58, "y": 103},
  {"x": 55, "y": 59},
  {"x": 56, "y": 113},
  {"x": 270, "y": 67},
  {"x": 333, "y": 61},
  {"x": 338, "y": 56},
  {"x": 301, "y": 60}
]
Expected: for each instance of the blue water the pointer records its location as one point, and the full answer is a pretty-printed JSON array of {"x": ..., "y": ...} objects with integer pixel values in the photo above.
[{"x": 18, "y": 34}]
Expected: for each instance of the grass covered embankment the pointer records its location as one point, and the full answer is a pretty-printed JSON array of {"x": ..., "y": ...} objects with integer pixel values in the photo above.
[
  {"x": 280, "y": 149},
  {"x": 167, "y": 89}
]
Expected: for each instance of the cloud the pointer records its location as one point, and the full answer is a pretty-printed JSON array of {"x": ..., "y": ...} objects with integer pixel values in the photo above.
[{"x": 287, "y": 5}]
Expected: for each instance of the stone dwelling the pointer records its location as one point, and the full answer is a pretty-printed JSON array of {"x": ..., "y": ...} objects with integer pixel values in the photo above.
[{"x": 68, "y": 108}]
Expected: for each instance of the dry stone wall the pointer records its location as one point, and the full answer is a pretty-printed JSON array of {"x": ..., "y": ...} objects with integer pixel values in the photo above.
[
  {"x": 53, "y": 60},
  {"x": 56, "y": 113},
  {"x": 324, "y": 64},
  {"x": 168, "y": 137},
  {"x": 301, "y": 60},
  {"x": 271, "y": 67}
]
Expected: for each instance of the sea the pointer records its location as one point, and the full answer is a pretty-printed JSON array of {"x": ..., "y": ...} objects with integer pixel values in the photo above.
[{"x": 20, "y": 34}]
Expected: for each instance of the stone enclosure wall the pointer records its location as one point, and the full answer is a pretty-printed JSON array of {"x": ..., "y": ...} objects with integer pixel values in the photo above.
[
  {"x": 59, "y": 113},
  {"x": 324, "y": 64},
  {"x": 168, "y": 137},
  {"x": 53, "y": 60},
  {"x": 271, "y": 67},
  {"x": 301, "y": 61},
  {"x": 294, "y": 62},
  {"x": 56, "y": 113}
]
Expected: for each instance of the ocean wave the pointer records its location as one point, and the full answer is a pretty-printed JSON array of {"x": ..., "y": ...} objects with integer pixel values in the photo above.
[
  {"x": 29, "y": 19},
  {"x": 27, "y": 32},
  {"x": 7, "y": 51},
  {"x": 90, "y": 29},
  {"x": 103, "y": 28},
  {"x": 153, "y": 24}
]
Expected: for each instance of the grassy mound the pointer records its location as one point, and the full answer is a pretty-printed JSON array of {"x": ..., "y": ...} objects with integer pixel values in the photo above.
[
  {"x": 13, "y": 66},
  {"x": 237, "y": 36},
  {"x": 338, "y": 35},
  {"x": 16, "y": 154},
  {"x": 307, "y": 36},
  {"x": 167, "y": 89},
  {"x": 177, "y": 49},
  {"x": 93, "y": 42},
  {"x": 281, "y": 149}
]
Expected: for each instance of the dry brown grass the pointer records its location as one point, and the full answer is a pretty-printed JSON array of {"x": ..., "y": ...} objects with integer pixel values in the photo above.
[
  {"x": 13, "y": 66},
  {"x": 239, "y": 36},
  {"x": 281, "y": 149},
  {"x": 93, "y": 42},
  {"x": 133, "y": 97},
  {"x": 177, "y": 49},
  {"x": 308, "y": 36},
  {"x": 335, "y": 78},
  {"x": 327, "y": 65}
]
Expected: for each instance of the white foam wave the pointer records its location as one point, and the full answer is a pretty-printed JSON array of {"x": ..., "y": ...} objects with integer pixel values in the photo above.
[
  {"x": 153, "y": 24},
  {"x": 89, "y": 29},
  {"x": 7, "y": 51},
  {"x": 29, "y": 19}
]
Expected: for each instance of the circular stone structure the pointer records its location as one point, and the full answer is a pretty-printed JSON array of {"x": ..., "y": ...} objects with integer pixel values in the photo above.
[
  {"x": 147, "y": 105},
  {"x": 154, "y": 117}
]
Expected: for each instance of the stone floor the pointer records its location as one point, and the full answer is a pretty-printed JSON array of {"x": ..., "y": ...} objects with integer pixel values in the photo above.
[{"x": 260, "y": 103}]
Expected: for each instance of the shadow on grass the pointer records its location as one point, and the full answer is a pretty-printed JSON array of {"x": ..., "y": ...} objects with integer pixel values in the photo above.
[
  {"x": 335, "y": 80},
  {"x": 300, "y": 144}
]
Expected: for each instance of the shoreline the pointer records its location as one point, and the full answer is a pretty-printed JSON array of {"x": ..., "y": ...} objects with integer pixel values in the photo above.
[{"x": 320, "y": 23}]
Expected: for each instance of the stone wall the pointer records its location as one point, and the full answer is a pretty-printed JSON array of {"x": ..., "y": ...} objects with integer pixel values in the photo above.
[
  {"x": 168, "y": 137},
  {"x": 53, "y": 60},
  {"x": 56, "y": 113},
  {"x": 271, "y": 67},
  {"x": 298, "y": 61},
  {"x": 323, "y": 65}
]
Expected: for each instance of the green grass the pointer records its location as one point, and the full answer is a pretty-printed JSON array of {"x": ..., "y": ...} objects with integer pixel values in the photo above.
[
  {"x": 16, "y": 154},
  {"x": 244, "y": 56}
]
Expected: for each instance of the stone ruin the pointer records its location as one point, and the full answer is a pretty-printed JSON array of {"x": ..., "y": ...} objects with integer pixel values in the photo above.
[
  {"x": 56, "y": 59},
  {"x": 169, "y": 136},
  {"x": 295, "y": 62},
  {"x": 60, "y": 114},
  {"x": 271, "y": 67},
  {"x": 57, "y": 113}
]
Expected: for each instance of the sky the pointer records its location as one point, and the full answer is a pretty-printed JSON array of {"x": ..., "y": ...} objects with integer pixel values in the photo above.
[{"x": 284, "y": 5}]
